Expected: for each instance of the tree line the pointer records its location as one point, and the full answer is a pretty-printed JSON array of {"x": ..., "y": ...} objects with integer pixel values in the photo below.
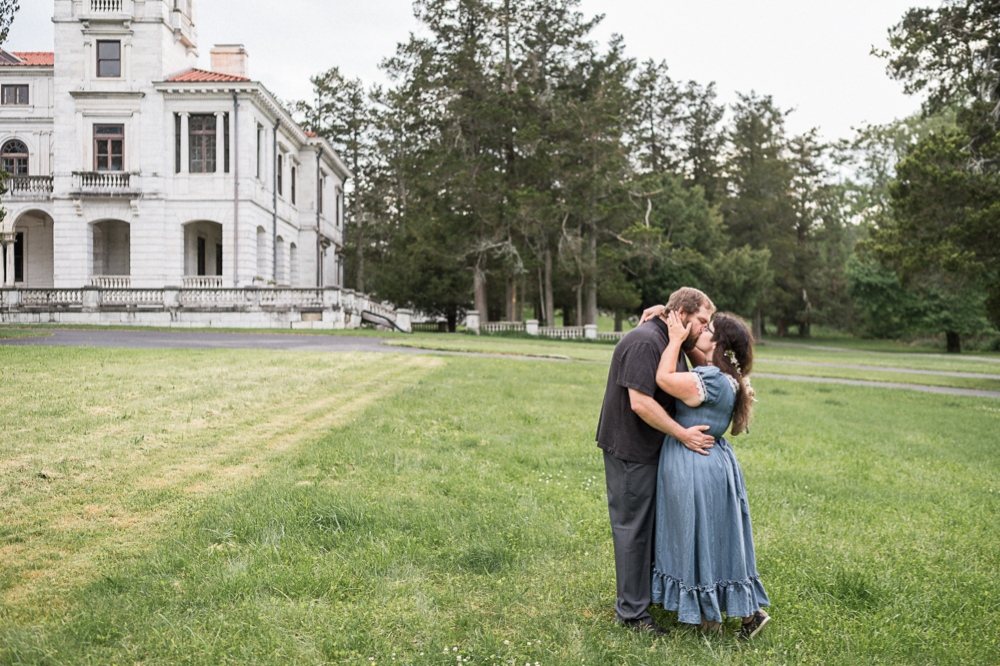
[{"x": 513, "y": 163}]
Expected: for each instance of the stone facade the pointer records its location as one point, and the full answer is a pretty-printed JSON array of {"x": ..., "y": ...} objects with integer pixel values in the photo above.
[{"x": 133, "y": 169}]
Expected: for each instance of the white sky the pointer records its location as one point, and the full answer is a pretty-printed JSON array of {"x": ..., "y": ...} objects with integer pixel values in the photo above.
[{"x": 809, "y": 55}]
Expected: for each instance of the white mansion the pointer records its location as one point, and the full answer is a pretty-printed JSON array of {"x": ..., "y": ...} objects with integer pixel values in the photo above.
[{"x": 133, "y": 171}]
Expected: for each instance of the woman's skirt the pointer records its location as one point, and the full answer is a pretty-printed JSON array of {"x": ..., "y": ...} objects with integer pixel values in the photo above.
[{"x": 703, "y": 557}]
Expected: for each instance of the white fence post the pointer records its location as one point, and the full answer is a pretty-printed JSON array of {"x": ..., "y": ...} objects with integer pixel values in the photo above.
[
  {"x": 404, "y": 320},
  {"x": 531, "y": 327},
  {"x": 171, "y": 298},
  {"x": 590, "y": 331},
  {"x": 472, "y": 321},
  {"x": 91, "y": 298}
]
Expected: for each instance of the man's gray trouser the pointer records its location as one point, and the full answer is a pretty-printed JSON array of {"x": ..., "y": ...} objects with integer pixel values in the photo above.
[{"x": 632, "y": 507}]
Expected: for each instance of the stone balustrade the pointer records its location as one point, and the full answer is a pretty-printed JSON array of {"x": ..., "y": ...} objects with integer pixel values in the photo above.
[
  {"x": 531, "y": 327},
  {"x": 202, "y": 281},
  {"x": 104, "y": 184},
  {"x": 111, "y": 281},
  {"x": 107, "y": 302},
  {"x": 109, "y": 6},
  {"x": 29, "y": 188},
  {"x": 503, "y": 326}
]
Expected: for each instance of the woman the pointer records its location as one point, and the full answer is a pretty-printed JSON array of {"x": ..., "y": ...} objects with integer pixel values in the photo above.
[{"x": 703, "y": 559}]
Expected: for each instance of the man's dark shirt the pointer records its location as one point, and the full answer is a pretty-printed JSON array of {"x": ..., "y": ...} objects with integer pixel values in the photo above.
[{"x": 620, "y": 431}]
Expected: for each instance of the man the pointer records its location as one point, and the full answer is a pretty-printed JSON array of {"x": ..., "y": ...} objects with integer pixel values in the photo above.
[{"x": 634, "y": 418}]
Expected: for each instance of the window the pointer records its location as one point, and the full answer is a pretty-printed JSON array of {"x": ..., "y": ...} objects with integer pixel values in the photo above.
[
  {"x": 177, "y": 143},
  {"x": 109, "y": 59},
  {"x": 14, "y": 94},
  {"x": 281, "y": 170},
  {"x": 201, "y": 255},
  {"x": 260, "y": 146},
  {"x": 218, "y": 258},
  {"x": 225, "y": 144},
  {"x": 319, "y": 194},
  {"x": 15, "y": 158},
  {"x": 201, "y": 143},
  {"x": 109, "y": 147},
  {"x": 340, "y": 207},
  {"x": 293, "y": 186}
]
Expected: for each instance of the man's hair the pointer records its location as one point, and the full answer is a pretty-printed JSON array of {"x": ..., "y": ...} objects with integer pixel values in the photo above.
[{"x": 690, "y": 300}]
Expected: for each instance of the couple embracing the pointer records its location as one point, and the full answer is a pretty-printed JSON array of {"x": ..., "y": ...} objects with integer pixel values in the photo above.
[{"x": 676, "y": 496}]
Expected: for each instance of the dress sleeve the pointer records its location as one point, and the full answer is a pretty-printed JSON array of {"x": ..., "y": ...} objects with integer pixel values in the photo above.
[{"x": 711, "y": 382}]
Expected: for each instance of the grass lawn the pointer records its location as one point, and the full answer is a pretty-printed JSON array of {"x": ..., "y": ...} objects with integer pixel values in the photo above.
[
  {"x": 769, "y": 360},
  {"x": 846, "y": 341},
  {"x": 234, "y": 506},
  {"x": 778, "y": 368},
  {"x": 20, "y": 333}
]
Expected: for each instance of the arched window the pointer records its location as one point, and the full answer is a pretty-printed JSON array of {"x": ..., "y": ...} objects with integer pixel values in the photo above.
[{"x": 15, "y": 158}]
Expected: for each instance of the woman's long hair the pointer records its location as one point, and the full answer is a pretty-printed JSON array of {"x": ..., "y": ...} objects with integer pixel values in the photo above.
[{"x": 733, "y": 339}]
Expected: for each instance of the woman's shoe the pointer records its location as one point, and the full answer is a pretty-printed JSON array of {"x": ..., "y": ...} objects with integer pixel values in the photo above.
[{"x": 753, "y": 627}]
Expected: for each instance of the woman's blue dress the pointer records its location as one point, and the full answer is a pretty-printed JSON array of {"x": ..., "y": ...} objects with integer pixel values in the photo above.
[{"x": 703, "y": 558}]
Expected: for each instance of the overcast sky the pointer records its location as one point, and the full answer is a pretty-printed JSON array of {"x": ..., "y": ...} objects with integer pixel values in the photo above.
[{"x": 809, "y": 55}]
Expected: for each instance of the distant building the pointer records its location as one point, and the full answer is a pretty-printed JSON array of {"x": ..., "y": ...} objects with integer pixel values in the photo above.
[{"x": 132, "y": 168}]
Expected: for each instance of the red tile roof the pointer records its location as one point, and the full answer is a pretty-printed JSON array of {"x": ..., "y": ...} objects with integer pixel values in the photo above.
[
  {"x": 312, "y": 134},
  {"x": 201, "y": 76},
  {"x": 32, "y": 58}
]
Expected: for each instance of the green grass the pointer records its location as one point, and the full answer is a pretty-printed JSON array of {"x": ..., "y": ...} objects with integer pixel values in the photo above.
[
  {"x": 769, "y": 358},
  {"x": 8, "y": 333},
  {"x": 778, "y": 368},
  {"x": 884, "y": 359},
  {"x": 845, "y": 341},
  {"x": 391, "y": 506},
  {"x": 579, "y": 351}
]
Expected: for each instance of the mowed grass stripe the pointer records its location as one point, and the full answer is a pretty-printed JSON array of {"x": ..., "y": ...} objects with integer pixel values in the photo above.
[
  {"x": 467, "y": 511},
  {"x": 823, "y": 368},
  {"x": 877, "y": 375},
  {"x": 127, "y": 441}
]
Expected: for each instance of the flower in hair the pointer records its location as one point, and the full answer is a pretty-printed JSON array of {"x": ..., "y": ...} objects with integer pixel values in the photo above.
[
  {"x": 731, "y": 355},
  {"x": 749, "y": 389}
]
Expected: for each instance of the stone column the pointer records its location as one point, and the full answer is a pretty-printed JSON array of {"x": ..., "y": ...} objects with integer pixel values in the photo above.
[
  {"x": 531, "y": 327},
  {"x": 220, "y": 142},
  {"x": 472, "y": 321},
  {"x": 590, "y": 331},
  {"x": 185, "y": 147},
  {"x": 8, "y": 252}
]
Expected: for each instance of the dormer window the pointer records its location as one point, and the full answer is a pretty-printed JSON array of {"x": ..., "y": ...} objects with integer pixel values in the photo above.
[{"x": 109, "y": 59}]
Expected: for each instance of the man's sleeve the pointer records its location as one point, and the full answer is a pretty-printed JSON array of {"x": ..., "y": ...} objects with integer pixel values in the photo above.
[{"x": 638, "y": 368}]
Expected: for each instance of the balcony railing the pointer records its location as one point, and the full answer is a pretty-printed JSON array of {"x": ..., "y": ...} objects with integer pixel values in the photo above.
[
  {"x": 202, "y": 282},
  {"x": 111, "y": 281},
  {"x": 30, "y": 187},
  {"x": 104, "y": 184},
  {"x": 110, "y": 6}
]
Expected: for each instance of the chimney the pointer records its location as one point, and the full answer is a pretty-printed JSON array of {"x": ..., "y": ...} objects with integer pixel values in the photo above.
[{"x": 230, "y": 59}]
